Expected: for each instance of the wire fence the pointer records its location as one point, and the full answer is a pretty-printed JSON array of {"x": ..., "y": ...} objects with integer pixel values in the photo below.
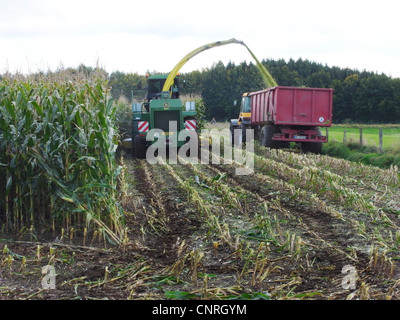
[{"x": 363, "y": 136}]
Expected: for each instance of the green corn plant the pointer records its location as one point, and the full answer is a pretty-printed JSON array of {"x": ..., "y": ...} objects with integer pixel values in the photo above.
[{"x": 57, "y": 157}]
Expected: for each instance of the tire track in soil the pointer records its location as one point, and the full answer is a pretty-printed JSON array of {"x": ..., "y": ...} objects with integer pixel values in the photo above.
[{"x": 162, "y": 197}]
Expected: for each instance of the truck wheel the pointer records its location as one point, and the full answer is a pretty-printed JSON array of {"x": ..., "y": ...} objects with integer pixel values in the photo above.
[
  {"x": 232, "y": 129},
  {"x": 139, "y": 147},
  {"x": 266, "y": 135},
  {"x": 243, "y": 128}
]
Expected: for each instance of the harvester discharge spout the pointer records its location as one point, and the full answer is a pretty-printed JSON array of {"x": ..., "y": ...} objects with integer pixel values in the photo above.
[{"x": 268, "y": 79}]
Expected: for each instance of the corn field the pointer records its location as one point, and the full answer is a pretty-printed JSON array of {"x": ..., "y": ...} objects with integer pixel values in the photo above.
[{"x": 57, "y": 158}]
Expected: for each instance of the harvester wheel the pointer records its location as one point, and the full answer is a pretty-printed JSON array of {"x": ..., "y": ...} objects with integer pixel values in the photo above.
[{"x": 139, "y": 147}]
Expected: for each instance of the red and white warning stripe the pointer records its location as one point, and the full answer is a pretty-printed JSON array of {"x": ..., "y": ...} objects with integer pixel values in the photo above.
[
  {"x": 143, "y": 126},
  {"x": 190, "y": 125}
]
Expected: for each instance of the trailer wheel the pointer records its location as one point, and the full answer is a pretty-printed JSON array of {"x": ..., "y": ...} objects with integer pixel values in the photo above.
[
  {"x": 312, "y": 147},
  {"x": 284, "y": 145},
  {"x": 266, "y": 135},
  {"x": 139, "y": 147}
]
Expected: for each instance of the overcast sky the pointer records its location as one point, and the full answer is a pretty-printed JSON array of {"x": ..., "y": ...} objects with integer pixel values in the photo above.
[{"x": 136, "y": 36}]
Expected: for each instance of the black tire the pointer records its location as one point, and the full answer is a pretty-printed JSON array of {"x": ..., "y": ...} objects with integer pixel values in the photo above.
[
  {"x": 312, "y": 147},
  {"x": 243, "y": 128},
  {"x": 284, "y": 144},
  {"x": 266, "y": 135},
  {"x": 139, "y": 147},
  {"x": 188, "y": 153},
  {"x": 232, "y": 129}
]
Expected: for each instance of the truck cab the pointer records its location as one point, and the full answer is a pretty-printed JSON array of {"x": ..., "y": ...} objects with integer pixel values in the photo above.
[
  {"x": 245, "y": 110},
  {"x": 244, "y": 120},
  {"x": 244, "y": 114}
]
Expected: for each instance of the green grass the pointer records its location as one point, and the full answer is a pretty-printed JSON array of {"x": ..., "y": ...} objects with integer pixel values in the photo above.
[
  {"x": 391, "y": 135},
  {"x": 368, "y": 153}
]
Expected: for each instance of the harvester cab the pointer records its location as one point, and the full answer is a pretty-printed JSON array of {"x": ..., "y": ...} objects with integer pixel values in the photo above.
[{"x": 155, "y": 85}]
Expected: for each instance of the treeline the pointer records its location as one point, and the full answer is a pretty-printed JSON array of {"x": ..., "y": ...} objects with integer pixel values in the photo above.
[{"x": 359, "y": 96}]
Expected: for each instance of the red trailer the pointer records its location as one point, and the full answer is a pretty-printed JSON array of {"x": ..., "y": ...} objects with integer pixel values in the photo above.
[{"x": 288, "y": 114}]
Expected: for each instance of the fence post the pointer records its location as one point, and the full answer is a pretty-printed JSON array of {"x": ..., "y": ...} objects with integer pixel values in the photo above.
[
  {"x": 361, "y": 136},
  {"x": 380, "y": 140},
  {"x": 344, "y": 136}
]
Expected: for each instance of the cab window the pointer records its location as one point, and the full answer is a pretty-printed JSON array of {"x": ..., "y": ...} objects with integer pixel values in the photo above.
[{"x": 246, "y": 104}]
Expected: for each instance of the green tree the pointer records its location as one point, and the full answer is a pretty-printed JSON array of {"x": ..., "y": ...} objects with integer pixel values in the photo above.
[
  {"x": 215, "y": 92},
  {"x": 127, "y": 84}
]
